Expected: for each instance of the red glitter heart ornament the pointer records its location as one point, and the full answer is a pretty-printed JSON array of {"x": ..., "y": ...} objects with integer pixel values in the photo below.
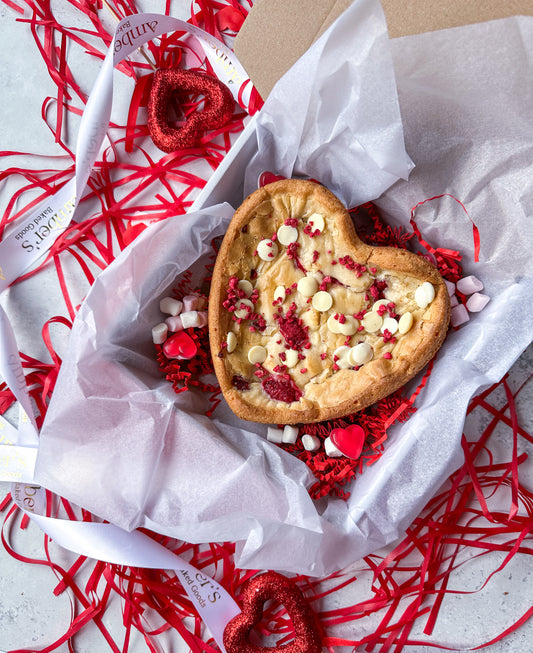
[
  {"x": 272, "y": 585},
  {"x": 349, "y": 441},
  {"x": 180, "y": 345},
  {"x": 217, "y": 111}
]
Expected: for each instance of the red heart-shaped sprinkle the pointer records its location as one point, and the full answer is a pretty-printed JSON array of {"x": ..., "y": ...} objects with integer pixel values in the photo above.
[
  {"x": 272, "y": 585},
  {"x": 180, "y": 345},
  {"x": 349, "y": 441},
  {"x": 218, "y": 107}
]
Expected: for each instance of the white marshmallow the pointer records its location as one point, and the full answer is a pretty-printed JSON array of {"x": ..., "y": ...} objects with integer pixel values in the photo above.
[
  {"x": 174, "y": 323},
  {"x": 170, "y": 306},
  {"x": 453, "y": 301},
  {"x": 310, "y": 442},
  {"x": 290, "y": 434},
  {"x": 274, "y": 435},
  {"x": 331, "y": 450},
  {"x": 459, "y": 315},
  {"x": 477, "y": 302},
  {"x": 159, "y": 333},
  {"x": 190, "y": 319},
  {"x": 469, "y": 285}
]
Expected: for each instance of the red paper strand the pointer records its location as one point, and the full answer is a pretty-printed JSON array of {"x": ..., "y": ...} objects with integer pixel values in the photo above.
[{"x": 410, "y": 585}]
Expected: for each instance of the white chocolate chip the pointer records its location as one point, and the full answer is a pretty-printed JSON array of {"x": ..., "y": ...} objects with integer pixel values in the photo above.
[
  {"x": 361, "y": 354},
  {"x": 280, "y": 293},
  {"x": 331, "y": 450},
  {"x": 257, "y": 354},
  {"x": 287, "y": 234},
  {"x": 349, "y": 326},
  {"x": 290, "y": 434},
  {"x": 170, "y": 306},
  {"x": 159, "y": 333},
  {"x": 333, "y": 323},
  {"x": 246, "y": 287},
  {"x": 274, "y": 435},
  {"x": 231, "y": 342},
  {"x": 380, "y": 302},
  {"x": 310, "y": 442},
  {"x": 242, "y": 308},
  {"x": 405, "y": 323},
  {"x": 291, "y": 358},
  {"x": 390, "y": 324},
  {"x": 322, "y": 301},
  {"x": 424, "y": 294},
  {"x": 307, "y": 286},
  {"x": 341, "y": 357},
  {"x": 372, "y": 322},
  {"x": 267, "y": 250},
  {"x": 316, "y": 222}
]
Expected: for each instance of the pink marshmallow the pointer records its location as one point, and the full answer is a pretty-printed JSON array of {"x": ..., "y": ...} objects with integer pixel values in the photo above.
[
  {"x": 459, "y": 315},
  {"x": 469, "y": 285},
  {"x": 451, "y": 287},
  {"x": 453, "y": 301},
  {"x": 477, "y": 302},
  {"x": 202, "y": 317},
  {"x": 190, "y": 303},
  {"x": 174, "y": 323}
]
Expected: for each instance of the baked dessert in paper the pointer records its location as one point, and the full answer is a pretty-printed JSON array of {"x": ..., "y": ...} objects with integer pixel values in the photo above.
[{"x": 307, "y": 322}]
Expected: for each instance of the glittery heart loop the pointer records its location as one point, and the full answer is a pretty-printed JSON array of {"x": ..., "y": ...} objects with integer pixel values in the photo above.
[
  {"x": 217, "y": 111},
  {"x": 256, "y": 592}
]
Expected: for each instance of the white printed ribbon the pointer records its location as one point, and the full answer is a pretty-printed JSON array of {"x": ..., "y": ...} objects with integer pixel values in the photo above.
[
  {"x": 111, "y": 544},
  {"x": 19, "y": 250},
  {"x": 36, "y": 233}
]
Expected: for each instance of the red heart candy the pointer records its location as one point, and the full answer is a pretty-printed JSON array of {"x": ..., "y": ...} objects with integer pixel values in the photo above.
[
  {"x": 180, "y": 345},
  {"x": 349, "y": 441},
  {"x": 218, "y": 107},
  {"x": 272, "y": 585},
  {"x": 267, "y": 177}
]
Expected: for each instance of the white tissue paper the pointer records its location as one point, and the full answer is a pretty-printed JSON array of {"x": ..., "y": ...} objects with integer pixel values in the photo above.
[{"x": 117, "y": 439}]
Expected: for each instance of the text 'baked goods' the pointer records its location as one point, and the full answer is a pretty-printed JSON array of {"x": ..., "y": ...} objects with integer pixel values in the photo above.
[{"x": 306, "y": 322}]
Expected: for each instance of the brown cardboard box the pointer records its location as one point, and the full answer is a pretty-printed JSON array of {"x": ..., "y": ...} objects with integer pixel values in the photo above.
[{"x": 277, "y": 32}]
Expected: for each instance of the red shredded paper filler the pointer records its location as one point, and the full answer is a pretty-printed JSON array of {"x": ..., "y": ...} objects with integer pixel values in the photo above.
[{"x": 410, "y": 584}]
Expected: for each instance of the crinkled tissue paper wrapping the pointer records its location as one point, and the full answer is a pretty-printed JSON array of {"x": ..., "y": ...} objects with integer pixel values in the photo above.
[{"x": 117, "y": 439}]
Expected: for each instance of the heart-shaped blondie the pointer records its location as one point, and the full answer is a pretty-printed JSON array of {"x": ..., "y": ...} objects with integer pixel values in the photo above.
[{"x": 307, "y": 322}]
